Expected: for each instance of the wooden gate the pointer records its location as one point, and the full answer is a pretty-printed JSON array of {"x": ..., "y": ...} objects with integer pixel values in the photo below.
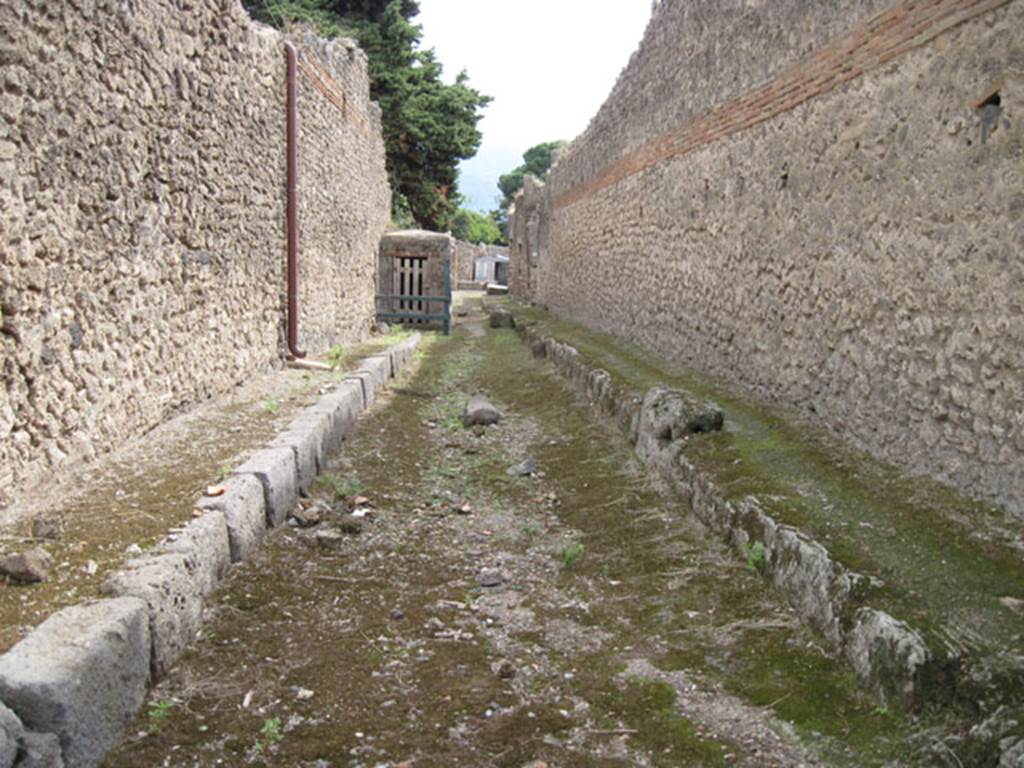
[{"x": 409, "y": 300}]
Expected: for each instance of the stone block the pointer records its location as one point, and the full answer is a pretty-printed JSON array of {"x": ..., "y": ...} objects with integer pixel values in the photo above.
[
  {"x": 81, "y": 675},
  {"x": 40, "y": 750},
  {"x": 244, "y": 509},
  {"x": 667, "y": 416},
  {"x": 11, "y": 734},
  {"x": 480, "y": 411},
  {"x": 365, "y": 382},
  {"x": 277, "y": 472},
  {"x": 207, "y": 546},
  {"x": 305, "y": 443},
  {"x": 342, "y": 407},
  {"x": 379, "y": 368},
  {"x": 888, "y": 655},
  {"x": 318, "y": 424},
  {"x": 174, "y": 598}
]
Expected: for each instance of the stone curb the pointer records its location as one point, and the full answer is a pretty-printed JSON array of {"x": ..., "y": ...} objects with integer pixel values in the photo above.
[
  {"x": 76, "y": 681},
  {"x": 82, "y": 675},
  {"x": 890, "y": 658}
]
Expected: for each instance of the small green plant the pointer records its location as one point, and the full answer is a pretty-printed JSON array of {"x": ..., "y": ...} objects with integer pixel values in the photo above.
[
  {"x": 224, "y": 471},
  {"x": 335, "y": 356},
  {"x": 272, "y": 732},
  {"x": 530, "y": 531},
  {"x": 158, "y": 715},
  {"x": 571, "y": 553},
  {"x": 337, "y": 487},
  {"x": 757, "y": 557},
  {"x": 271, "y": 405},
  {"x": 880, "y": 711}
]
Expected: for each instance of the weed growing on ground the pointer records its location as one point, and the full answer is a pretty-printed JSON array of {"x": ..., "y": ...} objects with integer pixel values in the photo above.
[
  {"x": 271, "y": 405},
  {"x": 756, "y": 557},
  {"x": 224, "y": 471},
  {"x": 272, "y": 733},
  {"x": 335, "y": 356},
  {"x": 337, "y": 487},
  {"x": 571, "y": 552},
  {"x": 158, "y": 715}
]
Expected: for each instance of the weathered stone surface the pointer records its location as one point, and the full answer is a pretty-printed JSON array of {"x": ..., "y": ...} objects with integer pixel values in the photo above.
[
  {"x": 502, "y": 318},
  {"x": 277, "y": 472},
  {"x": 1013, "y": 757},
  {"x": 524, "y": 468},
  {"x": 11, "y": 733},
  {"x": 667, "y": 416},
  {"x": 205, "y": 543},
  {"x": 92, "y": 362},
  {"x": 244, "y": 508},
  {"x": 41, "y": 750},
  {"x": 81, "y": 675},
  {"x": 28, "y": 567},
  {"x": 887, "y": 654},
  {"x": 47, "y": 528},
  {"x": 683, "y": 220},
  {"x": 305, "y": 444},
  {"x": 318, "y": 425},
  {"x": 379, "y": 368},
  {"x": 480, "y": 412},
  {"x": 366, "y": 384},
  {"x": 342, "y": 407},
  {"x": 173, "y": 593}
]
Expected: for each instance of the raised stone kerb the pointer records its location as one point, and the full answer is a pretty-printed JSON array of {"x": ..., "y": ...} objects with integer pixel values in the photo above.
[
  {"x": 11, "y": 734},
  {"x": 206, "y": 545},
  {"x": 888, "y": 655},
  {"x": 318, "y": 425},
  {"x": 379, "y": 368},
  {"x": 365, "y": 381},
  {"x": 40, "y": 750},
  {"x": 666, "y": 417},
  {"x": 244, "y": 508},
  {"x": 173, "y": 595},
  {"x": 341, "y": 407},
  {"x": 81, "y": 675},
  {"x": 277, "y": 471},
  {"x": 305, "y": 445}
]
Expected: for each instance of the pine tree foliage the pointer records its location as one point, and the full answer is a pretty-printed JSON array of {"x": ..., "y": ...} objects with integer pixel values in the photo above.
[{"x": 429, "y": 126}]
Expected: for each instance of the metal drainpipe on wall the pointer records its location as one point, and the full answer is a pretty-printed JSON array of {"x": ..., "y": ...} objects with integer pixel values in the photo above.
[{"x": 293, "y": 217}]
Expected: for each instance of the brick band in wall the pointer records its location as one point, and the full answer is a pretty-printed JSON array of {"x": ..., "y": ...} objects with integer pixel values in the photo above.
[{"x": 874, "y": 43}]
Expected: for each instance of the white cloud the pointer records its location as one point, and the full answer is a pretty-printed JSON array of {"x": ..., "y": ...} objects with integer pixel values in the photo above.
[{"x": 549, "y": 64}]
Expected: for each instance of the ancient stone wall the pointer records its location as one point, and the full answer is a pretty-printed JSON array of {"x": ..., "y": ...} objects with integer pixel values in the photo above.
[
  {"x": 344, "y": 198},
  {"x": 142, "y": 190},
  {"x": 821, "y": 205}
]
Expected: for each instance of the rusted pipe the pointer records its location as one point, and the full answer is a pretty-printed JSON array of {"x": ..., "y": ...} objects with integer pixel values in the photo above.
[{"x": 293, "y": 215}]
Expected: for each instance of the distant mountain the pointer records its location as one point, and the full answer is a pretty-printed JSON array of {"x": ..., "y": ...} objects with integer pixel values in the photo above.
[{"x": 478, "y": 176}]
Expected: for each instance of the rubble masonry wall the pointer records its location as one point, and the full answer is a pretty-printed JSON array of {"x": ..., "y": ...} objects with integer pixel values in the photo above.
[
  {"x": 817, "y": 204},
  {"x": 142, "y": 191}
]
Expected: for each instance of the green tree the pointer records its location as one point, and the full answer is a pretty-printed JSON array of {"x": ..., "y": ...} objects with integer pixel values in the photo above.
[
  {"x": 429, "y": 126},
  {"x": 473, "y": 227},
  {"x": 536, "y": 162}
]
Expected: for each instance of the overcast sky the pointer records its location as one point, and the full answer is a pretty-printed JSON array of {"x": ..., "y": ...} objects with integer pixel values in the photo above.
[{"x": 549, "y": 64}]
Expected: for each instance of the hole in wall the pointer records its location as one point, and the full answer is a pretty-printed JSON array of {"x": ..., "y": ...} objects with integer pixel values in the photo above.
[
  {"x": 994, "y": 100},
  {"x": 989, "y": 109}
]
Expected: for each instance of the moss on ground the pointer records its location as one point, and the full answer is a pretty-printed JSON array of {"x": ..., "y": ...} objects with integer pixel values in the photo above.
[{"x": 939, "y": 559}]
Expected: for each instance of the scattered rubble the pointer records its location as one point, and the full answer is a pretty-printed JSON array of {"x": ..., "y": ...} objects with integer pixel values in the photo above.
[
  {"x": 29, "y": 567},
  {"x": 480, "y": 412},
  {"x": 525, "y": 468}
]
